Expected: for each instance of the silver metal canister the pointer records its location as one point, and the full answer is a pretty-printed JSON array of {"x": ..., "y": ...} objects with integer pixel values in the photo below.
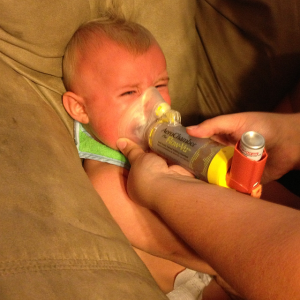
[{"x": 252, "y": 145}]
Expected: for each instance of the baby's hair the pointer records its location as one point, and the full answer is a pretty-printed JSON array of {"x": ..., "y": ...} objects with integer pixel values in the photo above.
[{"x": 133, "y": 37}]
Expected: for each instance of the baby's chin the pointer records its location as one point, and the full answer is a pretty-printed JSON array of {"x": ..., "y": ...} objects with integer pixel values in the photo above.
[
  {"x": 109, "y": 143},
  {"x": 112, "y": 145}
]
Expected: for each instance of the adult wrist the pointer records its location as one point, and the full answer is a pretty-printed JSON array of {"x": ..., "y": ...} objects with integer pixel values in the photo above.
[{"x": 293, "y": 139}]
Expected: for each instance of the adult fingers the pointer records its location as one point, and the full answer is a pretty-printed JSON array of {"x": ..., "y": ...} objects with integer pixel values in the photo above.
[
  {"x": 130, "y": 149},
  {"x": 226, "y": 124}
]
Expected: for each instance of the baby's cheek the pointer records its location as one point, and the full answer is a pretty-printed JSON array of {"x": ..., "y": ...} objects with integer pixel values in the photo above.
[
  {"x": 110, "y": 140},
  {"x": 108, "y": 135},
  {"x": 112, "y": 143}
]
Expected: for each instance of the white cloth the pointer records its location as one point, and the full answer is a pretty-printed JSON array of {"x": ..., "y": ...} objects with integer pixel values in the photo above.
[{"x": 189, "y": 285}]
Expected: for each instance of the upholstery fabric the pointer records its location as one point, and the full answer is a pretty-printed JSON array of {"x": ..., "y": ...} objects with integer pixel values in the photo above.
[{"x": 58, "y": 241}]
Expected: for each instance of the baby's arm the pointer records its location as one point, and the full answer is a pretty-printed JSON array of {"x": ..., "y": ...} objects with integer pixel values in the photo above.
[{"x": 143, "y": 228}]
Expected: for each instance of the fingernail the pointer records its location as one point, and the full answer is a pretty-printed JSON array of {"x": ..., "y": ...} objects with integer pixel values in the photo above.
[
  {"x": 191, "y": 127},
  {"x": 121, "y": 144}
]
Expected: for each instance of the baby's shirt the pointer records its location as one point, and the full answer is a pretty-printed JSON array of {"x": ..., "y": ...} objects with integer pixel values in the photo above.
[{"x": 89, "y": 148}]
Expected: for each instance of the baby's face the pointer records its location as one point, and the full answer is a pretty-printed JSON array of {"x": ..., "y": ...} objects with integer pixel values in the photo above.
[{"x": 113, "y": 79}]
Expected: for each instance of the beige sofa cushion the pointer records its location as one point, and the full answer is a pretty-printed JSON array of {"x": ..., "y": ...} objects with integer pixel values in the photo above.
[
  {"x": 224, "y": 56},
  {"x": 57, "y": 239},
  {"x": 250, "y": 54}
]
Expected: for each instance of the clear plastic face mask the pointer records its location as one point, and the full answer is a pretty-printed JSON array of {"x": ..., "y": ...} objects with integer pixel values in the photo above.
[{"x": 149, "y": 107}]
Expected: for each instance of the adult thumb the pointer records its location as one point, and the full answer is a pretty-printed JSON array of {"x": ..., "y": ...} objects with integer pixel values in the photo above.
[{"x": 130, "y": 149}]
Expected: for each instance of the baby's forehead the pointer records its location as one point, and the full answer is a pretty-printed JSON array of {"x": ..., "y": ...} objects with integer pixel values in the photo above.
[
  {"x": 106, "y": 46},
  {"x": 103, "y": 55}
]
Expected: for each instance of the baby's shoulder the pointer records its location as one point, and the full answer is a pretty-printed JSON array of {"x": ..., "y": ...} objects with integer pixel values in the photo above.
[
  {"x": 106, "y": 178},
  {"x": 98, "y": 168}
]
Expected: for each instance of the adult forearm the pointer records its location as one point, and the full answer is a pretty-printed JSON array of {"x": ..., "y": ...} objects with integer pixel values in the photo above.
[{"x": 251, "y": 243}]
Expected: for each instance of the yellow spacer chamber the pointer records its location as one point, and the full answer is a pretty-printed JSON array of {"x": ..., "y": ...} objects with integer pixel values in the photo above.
[{"x": 219, "y": 166}]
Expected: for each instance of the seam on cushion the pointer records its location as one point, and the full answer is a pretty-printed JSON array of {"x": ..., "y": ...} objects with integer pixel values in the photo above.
[
  {"x": 93, "y": 9},
  {"x": 21, "y": 266}
]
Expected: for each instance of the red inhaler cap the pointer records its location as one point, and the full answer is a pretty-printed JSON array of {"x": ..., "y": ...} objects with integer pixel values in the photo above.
[{"x": 245, "y": 174}]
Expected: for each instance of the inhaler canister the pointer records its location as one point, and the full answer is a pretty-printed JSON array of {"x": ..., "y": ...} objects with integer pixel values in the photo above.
[
  {"x": 248, "y": 164},
  {"x": 252, "y": 145}
]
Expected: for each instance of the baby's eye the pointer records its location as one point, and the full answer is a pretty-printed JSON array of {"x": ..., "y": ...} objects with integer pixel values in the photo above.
[
  {"x": 128, "y": 93},
  {"x": 163, "y": 85}
]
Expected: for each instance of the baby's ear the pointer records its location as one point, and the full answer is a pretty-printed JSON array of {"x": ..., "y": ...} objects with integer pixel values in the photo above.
[{"x": 75, "y": 107}]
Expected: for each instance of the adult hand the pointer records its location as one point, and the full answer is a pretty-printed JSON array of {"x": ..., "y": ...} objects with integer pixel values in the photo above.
[
  {"x": 281, "y": 133},
  {"x": 146, "y": 170}
]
